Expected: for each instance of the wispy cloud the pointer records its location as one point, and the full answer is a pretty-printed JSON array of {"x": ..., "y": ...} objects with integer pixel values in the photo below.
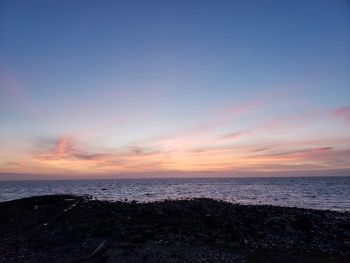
[
  {"x": 67, "y": 155},
  {"x": 65, "y": 148},
  {"x": 207, "y": 146},
  {"x": 342, "y": 113},
  {"x": 13, "y": 93},
  {"x": 73, "y": 155},
  {"x": 16, "y": 164},
  {"x": 237, "y": 135}
]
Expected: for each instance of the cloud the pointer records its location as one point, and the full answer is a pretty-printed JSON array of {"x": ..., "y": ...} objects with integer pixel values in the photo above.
[
  {"x": 67, "y": 152},
  {"x": 65, "y": 147},
  {"x": 204, "y": 147},
  {"x": 301, "y": 152},
  {"x": 326, "y": 157},
  {"x": 67, "y": 155},
  {"x": 142, "y": 151},
  {"x": 11, "y": 163},
  {"x": 342, "y": 113},
  {"x": 236, "y": 135},
  {"x": 230, "y": 113},
  {"x": 13, "y": 93}
]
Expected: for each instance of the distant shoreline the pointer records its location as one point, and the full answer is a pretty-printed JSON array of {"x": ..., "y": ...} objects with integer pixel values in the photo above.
[
  {"x": 45, "y": 178},
  {"x": 176, "y": 175}
]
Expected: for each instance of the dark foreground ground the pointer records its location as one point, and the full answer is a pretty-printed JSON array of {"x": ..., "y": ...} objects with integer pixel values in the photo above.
[{"x": 76, "y": 229}]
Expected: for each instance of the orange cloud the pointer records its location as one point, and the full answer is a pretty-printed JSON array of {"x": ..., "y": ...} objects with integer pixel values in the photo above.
[
  {"x": 190, "y": 152},
  {"x": 200, "y": 148}
]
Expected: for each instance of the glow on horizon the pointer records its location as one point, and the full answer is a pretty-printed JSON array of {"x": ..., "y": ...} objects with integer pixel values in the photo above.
[{"x": 161, "y": 87}]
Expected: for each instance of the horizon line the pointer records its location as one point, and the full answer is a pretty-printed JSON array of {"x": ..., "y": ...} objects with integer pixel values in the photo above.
[{"x": 176, "y": 175}]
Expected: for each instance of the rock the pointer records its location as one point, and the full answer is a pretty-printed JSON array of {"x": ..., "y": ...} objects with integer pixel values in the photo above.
[
  {"x": 137, "y": 239},
  {"x": 124, "y": 245},
  {"x": 198, "y": 230},
  {"x": 114, "y": 252},
  {"x": 99, "y": 249},
  {"x": 303, "y": 223},
  {"x": 148, "y": 233}
]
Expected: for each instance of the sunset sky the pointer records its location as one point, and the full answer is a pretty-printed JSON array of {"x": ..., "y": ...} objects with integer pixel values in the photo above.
[{"x": 96, "y": 88}]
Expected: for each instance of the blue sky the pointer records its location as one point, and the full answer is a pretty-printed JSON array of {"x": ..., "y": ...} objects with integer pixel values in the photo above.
[{"x": 109, "y": 77}]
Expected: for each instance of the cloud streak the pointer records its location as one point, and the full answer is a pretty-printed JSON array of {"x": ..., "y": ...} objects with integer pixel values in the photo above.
[
  {"x": 65, "y": 152},
  {"x": 13, "y": 93},
  {"x": 342, "y": 113},
  {"x": 267, "y": 146}
]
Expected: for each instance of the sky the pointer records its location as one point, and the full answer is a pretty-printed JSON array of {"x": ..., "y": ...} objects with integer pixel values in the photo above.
[{"x": 100, "y": 88}]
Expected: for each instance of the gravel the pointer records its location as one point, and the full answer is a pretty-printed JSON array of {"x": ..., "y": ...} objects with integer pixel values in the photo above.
[{"x": 64, "y": 228}]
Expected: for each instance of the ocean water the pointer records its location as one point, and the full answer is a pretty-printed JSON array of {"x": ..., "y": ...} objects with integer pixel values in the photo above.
[{"x": 308, "y": 192}]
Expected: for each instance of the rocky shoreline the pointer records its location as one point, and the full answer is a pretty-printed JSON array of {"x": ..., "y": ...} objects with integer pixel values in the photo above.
[{"x": 64, "y": 228}]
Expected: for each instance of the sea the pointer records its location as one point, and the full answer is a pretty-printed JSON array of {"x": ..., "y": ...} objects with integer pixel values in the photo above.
[{"x": 327, "y": 193}]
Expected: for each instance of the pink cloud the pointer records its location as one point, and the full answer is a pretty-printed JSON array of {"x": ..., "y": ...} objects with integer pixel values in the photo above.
[
  {"x": 244, "y": 108},
  {"x": 13, "y": 93},
  {"x": 320, "y": 155},
  {"x": 237, "y": 135},
  {"x": 70, "y": 154},
  {"x": 342, "y": 113},
  {"x": 65, "y": 148}
]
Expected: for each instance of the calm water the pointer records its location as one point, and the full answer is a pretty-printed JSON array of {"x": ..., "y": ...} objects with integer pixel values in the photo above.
[{"x": 319, "y": 193}]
